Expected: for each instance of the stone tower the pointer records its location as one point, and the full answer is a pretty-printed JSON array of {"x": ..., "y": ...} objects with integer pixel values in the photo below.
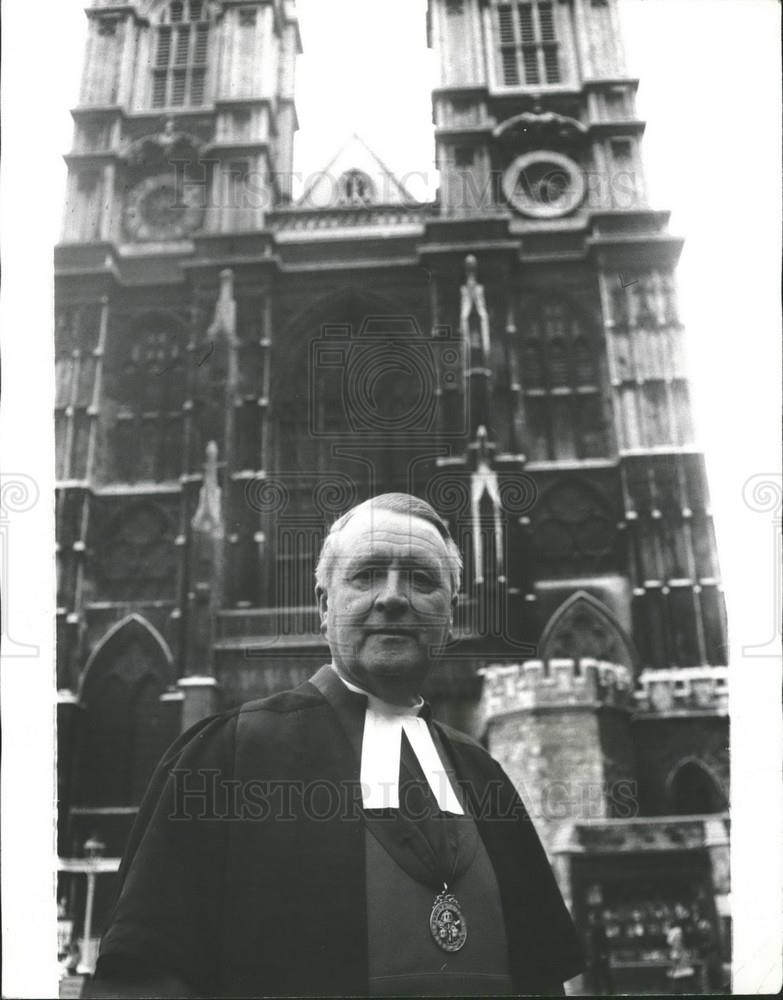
[
  {"x": 538, "y": 146},
  {"x": 183, "y": 143},
  {"x": 185, "y": 122},
  {"x": 618, "y": 711}
]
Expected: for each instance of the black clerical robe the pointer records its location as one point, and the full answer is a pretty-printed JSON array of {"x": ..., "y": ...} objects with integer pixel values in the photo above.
[{"x": 245, "y": 871}]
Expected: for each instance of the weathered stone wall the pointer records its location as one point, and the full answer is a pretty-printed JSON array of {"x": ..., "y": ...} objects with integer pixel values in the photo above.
[{"x": 561, "y": 730}]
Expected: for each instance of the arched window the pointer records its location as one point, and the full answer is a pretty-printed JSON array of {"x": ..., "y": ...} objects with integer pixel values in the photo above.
[
  {"x": 126, "y": 727},
  {"x": 134, "y": 551},
  {"x": 355, "y": 394},
  {"x": 146, "y": 386},
  {"x": 573, "y": 532},
  {"x": 694, "y": 790},
  {"x": 583, "y": 627},
  {"x": 181, "y": 55},
  {"x": 356, "y": 188},
  {"x": 562, "y": 383}
]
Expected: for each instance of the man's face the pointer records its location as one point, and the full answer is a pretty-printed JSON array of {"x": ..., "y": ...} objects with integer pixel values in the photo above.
[{"x": 387, "y": 606}]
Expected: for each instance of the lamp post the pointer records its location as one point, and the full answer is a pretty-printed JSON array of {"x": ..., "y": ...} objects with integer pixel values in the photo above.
[{"x": 93, "y": 849}]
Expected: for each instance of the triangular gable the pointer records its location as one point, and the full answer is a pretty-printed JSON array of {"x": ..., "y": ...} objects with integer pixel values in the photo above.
[{"x": 325, "y": 188}]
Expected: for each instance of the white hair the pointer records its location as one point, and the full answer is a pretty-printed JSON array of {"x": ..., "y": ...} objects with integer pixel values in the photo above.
[{"x": 397, "y": 503}]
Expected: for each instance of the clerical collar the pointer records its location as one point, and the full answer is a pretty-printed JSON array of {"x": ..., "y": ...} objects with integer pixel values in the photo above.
[
  {"x": 378, "y": 704},
  {"x": 384, "y": 725}
]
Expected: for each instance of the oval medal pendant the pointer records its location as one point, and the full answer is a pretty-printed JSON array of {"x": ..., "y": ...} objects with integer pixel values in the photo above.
[{"x": 448, "y": 926}]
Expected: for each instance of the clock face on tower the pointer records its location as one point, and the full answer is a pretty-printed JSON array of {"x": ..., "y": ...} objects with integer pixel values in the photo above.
[
  {"x": 162, "y": 208},
  {"x": 544, "y": 185}
]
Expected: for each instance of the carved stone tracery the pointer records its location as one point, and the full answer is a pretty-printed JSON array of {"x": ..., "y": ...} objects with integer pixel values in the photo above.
[
  {"x": 135, "y": 556},
  {"x": 165, "y": 181},
  {"x": 126, "y": 728},
  {"x": 584, "y": 627},
  {"x": 573, "y": 529},
  {"x": 534, "y": 128}
]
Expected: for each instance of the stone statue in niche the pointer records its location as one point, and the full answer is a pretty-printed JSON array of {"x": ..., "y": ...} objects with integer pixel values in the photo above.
[{"x": 474, "y": 318}]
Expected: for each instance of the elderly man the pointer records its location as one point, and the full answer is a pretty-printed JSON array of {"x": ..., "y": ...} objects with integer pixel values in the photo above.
[{"x": 335, "y": 839}]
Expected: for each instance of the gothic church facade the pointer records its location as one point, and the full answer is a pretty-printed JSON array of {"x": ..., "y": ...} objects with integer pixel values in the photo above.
[{"x": 237, "y": 366}]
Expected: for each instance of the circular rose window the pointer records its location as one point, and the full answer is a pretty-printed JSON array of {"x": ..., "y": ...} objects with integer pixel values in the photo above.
[{"x": 544, "y": 185}]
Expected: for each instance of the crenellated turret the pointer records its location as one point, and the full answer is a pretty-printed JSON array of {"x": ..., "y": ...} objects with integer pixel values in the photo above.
[
  {"x": 561, "y": 728},
  {"x": 546, "y": 683}
]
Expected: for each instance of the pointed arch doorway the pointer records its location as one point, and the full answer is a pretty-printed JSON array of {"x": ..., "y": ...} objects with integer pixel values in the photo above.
[
  {"x": 126, "y": 727},
  {"x": 126, "y": 723}
]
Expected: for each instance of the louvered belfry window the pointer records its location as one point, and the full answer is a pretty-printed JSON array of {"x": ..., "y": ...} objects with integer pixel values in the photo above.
[
  {"x": 527, "y": 43},
  {"x": 181, "y": 55}
]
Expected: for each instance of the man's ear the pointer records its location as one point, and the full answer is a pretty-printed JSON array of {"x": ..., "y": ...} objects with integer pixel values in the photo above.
[{"x": 321, "y": 599}]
